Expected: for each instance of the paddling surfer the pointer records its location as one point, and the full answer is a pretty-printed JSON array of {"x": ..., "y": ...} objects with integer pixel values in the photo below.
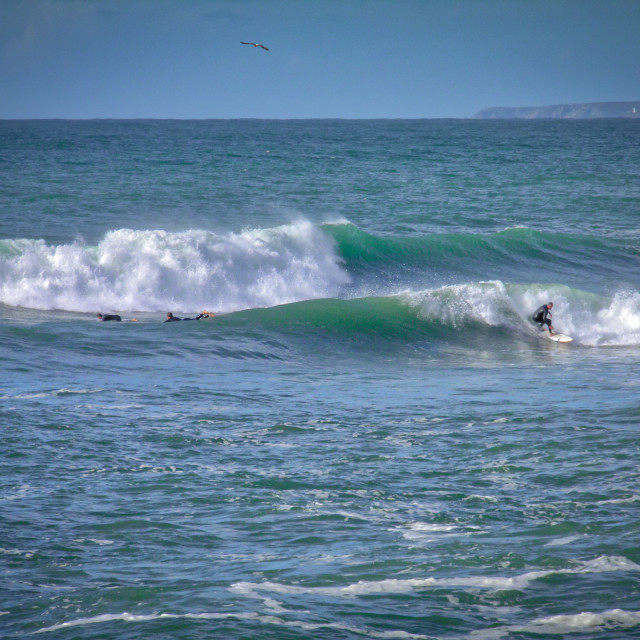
[
  {"x": 542, "y": 316},
  {"x": 172, "y": 318}
]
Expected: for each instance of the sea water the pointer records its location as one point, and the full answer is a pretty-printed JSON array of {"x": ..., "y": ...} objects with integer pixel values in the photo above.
[{"x": 370, "y": 439}]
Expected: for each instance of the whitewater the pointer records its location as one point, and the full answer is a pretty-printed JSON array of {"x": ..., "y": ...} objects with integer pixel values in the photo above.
[
  {"x": 368, "y": 437},
  {"x": 151, "y": 271}
]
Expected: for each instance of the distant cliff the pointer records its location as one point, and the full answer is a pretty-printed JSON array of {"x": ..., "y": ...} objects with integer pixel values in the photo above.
[{"x": 575, "y": 111}]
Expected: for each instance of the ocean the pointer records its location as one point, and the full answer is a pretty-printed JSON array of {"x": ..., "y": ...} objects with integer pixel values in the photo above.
[{"x": 368, "y": 438}]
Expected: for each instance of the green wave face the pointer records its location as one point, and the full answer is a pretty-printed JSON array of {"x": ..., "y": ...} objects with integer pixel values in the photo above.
[
  {"x": 337, "y": 280},
  {"x": 512, "y": 255},
  {"x": 359, "y": 248},
  {"x": 458, "y": 314}
]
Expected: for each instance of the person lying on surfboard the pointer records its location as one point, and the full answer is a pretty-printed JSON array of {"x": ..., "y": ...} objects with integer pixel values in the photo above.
[
  {"x": 542, "y": 316},
  {"x": 204, "y": 314}
]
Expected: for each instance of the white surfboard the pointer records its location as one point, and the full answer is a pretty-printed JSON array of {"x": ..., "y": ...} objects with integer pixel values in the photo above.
[{"x": 559, "y": 337}]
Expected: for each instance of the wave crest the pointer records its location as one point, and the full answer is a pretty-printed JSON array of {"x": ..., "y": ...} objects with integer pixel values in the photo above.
[
  {"x": 592, "y": 320},
  {"x": 158, "y": 270}
]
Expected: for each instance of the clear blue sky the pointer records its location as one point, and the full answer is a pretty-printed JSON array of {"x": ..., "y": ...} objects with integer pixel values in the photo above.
[{"x": 327, "y": 58}]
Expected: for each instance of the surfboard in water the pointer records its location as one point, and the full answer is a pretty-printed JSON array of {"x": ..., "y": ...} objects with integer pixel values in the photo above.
[
  {"x": 559, "y": 337},
  {"x": 556, "y": 337}
]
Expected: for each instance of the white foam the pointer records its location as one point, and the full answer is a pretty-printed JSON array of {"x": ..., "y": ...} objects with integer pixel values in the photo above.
[
  {"x": 477, "y": 496},
  {"x": 97, "y": 541},
  {"x": 520, "y": 582},
  {"x": 125, "y": 617},
  {"x": 618, "y": 323},
  {"x": 428, "y": 532},
  {"x": 559, "y": 625},
  {"x": 586, "y": 620},
  {"x": 20, "y": 491},
  {"x": 629, "y": 500},
  {"x": 48, "y": 394},
  {"x": 157, "y": 270},
  {"x": 431, "y": 527},
  {"x": 558, "y": 542},
  {"x": 17, "y": 552},
  {"x": 457, "y": 304},
  {"x": 264, "y": 619},
  {"x": 590, "y": 319}
]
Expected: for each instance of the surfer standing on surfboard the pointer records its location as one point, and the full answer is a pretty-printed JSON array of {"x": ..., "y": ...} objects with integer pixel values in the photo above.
[{"x": 543, "y": 316}]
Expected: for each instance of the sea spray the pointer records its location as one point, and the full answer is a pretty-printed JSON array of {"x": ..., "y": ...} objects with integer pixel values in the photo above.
[
  {"x": 591, "y": 319},
  {"x": 159, "y": 270}
]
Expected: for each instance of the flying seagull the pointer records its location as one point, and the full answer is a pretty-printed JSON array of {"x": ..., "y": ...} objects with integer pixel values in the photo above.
[{"x": 255, "y": 44}]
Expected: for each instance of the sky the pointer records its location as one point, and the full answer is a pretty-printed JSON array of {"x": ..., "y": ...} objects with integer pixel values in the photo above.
[{"x": 327, "y": 58}]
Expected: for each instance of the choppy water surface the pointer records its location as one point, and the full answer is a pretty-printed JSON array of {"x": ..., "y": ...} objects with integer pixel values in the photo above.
[{"x": 369, "y": 439}]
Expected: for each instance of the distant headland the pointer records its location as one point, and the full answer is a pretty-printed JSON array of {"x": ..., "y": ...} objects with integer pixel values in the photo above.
[{"x": 564, "y": 111}]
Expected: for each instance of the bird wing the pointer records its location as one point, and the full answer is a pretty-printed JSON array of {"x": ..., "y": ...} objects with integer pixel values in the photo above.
[{"x": 255, "y": 44}]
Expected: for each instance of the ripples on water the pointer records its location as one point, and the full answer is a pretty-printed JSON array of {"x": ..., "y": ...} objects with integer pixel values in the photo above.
[
  {"x": 250, "y": 497},
  {"x": 394, "y": 453}
]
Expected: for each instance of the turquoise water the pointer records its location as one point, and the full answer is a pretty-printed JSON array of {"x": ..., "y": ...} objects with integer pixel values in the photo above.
[{"x": 369, "y": 439}]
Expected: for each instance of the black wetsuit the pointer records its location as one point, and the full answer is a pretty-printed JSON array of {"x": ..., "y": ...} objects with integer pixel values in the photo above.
[
  {"x": 174, "y": 319},
  {"x": 111, "y": 316},
  {"x": 543, "y": 316}
]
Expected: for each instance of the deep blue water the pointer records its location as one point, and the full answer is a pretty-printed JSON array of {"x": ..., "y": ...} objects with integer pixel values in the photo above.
[{"x": 370, "y": 438}]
